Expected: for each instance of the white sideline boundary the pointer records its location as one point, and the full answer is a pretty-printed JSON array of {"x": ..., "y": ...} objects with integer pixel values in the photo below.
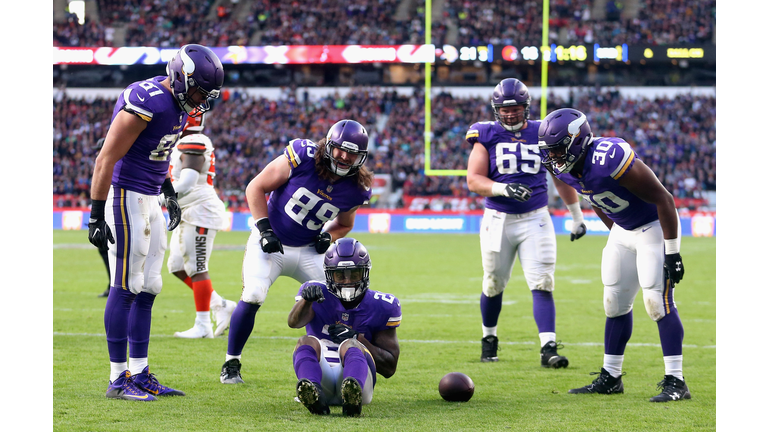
[{"x": 413, "y": 341}]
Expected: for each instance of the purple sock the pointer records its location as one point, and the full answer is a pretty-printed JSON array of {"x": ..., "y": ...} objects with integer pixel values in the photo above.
[
  {"x": 490, "y": 309},
  {"x": 355, "y": 365},
  {"x": 139, "y": 323},
  {"x": 306, "y": 365},
  {"x": 671, "y": 334},
  {"x": 116, "y": 323},
  {"x": 544, "y": 311},
  {"x": 241, "y": 326},
  {"x": 617, "y": 333}
]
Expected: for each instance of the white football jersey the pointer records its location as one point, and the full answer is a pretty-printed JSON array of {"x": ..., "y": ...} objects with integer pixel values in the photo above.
[{"x": 201, "y": 206}]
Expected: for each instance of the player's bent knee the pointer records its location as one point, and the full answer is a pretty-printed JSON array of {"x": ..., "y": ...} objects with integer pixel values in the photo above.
[
  {"x": 543, "y": 283},
  {"x": 255, "y": 296},
  {"x": 654, "y": 306},
  {"x": 492, "y": 285},
  {"x": 613, "y": 308},
  {"x": 310, "y": 341}
]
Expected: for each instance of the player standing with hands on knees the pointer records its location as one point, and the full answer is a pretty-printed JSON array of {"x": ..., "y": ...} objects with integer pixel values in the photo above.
[
  {"x": 643, "y": 248},
  {"x": 193, "y": 169},
  {"x": 351, "y": 333},
  {"x": 315, "y": 191},
  {"x": 130, "y": 172},
  {"x": 505, "y": 167}
]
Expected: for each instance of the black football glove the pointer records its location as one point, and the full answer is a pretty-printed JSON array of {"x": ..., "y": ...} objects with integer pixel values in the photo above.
[
  {"x": 313, "y": 293},
  {"x": 673, "y": 268},
  {"x": 578, "y": 232},
  {"x": 98, "y": 230},
  {"x": 171, "y": 203},
  {"x": 322, "y": 242},
  {"x": 269, "y": 241},
  {"x": 518, "y": 191},
  {"x": 339, "y": 333}
]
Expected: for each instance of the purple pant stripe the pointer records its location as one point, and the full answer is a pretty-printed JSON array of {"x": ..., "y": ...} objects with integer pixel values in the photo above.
[{"x": 122, "y": 238}]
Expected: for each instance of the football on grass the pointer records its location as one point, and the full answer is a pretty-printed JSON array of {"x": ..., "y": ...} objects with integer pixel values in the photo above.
[{"x": 456, "y": 387}]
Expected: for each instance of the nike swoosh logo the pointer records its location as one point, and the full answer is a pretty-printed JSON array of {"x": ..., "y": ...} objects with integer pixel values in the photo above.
[
  {"x": 137, "y": 397},
  {"x": 646, "y": 229},
  {"x": 612, "y": 154},
  {"x": 142, "y": 99},
  {"x": 541, "y": 225},
  {"x": 96, "y": 232}
]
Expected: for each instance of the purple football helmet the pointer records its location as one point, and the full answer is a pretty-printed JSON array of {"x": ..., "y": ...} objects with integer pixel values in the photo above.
[
  {"x": 347, "y": 268},
  {"x": 350, "y": 136},
  {"x": 564, "y": 136},
  {"x": 511, "y": 92},
  {"x": 196, "y": 77}
]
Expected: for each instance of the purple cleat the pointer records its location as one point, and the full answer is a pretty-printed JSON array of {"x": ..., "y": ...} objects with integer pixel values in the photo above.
[
  {"x": 125, "y": 388},
  {"x": 147, "y": 382}
]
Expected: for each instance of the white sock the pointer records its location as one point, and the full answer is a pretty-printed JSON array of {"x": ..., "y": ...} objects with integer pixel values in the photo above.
[
  {"x": 115, "y": 369},
  {"x": 489, "y": 331},
  {"x": 613, "y": 363},
  {"x": 546, "y": 337},
  {"x": 137, "y": 365},
  {"x": 673, "y": 365},
  {"x": 203, "y": 318},
  {"x": 230, "y": 357},
  {"x": 216, "y": 299}
]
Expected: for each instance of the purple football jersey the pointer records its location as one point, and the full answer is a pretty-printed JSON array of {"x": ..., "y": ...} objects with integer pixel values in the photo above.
[
  {"x": 144, "y": 168},
  {"x": 378, "y": 311},
  {"x": 299, "y": 208},
  {"x": 514, "y": 158},
  {"x": 606, "y": 161}
]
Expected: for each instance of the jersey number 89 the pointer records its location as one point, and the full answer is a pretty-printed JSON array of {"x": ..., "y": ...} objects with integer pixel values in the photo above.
[{"x": 302, "y": 202}]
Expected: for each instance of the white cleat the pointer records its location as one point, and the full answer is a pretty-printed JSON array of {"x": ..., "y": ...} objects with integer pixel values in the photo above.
[
  {"x": 223, "y": 314},
  {"x": 199, "y": 331}
]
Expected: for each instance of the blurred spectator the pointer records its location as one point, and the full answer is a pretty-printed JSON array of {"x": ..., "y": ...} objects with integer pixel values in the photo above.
[{"x": 674, "y": 136}]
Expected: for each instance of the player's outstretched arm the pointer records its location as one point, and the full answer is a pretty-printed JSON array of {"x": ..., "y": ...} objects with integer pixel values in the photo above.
[{"x": 385, "y": 350}]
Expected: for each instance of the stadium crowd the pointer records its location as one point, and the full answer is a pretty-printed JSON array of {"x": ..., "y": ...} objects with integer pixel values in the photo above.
[
  {"x": 170, "y": 23},
  {"x": 674, "y": 136}
]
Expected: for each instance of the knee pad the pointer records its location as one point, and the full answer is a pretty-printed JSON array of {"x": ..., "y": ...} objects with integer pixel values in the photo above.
[
  {"x": 175, "y": 263},
  {"x": 613, "y": 306},
  {"x": 493, "y": 285},
  {"x": 654, "y": 305},
  {"x": 545, "y": 282},
  {"x": 153, "y": 285},
  {"x": 255, "y": 295}
]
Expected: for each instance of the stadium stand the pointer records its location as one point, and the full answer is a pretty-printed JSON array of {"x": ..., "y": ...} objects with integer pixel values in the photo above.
[
  {"x": 169, "y": 23},
  {"x": 675, "y": 136}
]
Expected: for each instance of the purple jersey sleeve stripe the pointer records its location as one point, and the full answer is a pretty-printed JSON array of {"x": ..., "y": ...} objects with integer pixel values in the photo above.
[{"x": 624, "y": 167}]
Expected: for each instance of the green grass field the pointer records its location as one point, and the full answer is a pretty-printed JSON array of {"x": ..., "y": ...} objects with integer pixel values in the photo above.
[{"x": 437, "y": 278}]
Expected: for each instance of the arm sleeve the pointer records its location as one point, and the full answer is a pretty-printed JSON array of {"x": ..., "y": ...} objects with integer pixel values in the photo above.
[{"x": 186, "y": 180}]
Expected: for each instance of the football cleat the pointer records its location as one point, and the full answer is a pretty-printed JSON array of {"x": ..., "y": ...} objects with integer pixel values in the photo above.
[
  {"x": 550, "y": 358},
  {"x": 147, "y": 382},
  {"x": 672, "y": 389},
  {"x": 223, "y": 313},
  {"x": 603, "y": 384},
  {"x": 351, "y": 397},
  {"x": 230, "y": 372},
  {"x": 125, "y": 388},
  {"x": 105, "y": 293},
  {"x": 490, "y": 345},
  {"x": 198, "y": 331},
  {"x": 311, "y": 395}
]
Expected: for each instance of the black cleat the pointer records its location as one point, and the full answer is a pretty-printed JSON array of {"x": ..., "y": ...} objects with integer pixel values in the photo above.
[
  {"x": 351, "y": 397},
  {"x": 672, "y": 389},
  {"x": 490, "y": 345},
  {"x": 550, "y": 358},
  {"x": 604, "y": 384},
  {"x": 311, "y": 395},
  {"x": 105, "y": 293},
  {"x": 230, "y": 372}
]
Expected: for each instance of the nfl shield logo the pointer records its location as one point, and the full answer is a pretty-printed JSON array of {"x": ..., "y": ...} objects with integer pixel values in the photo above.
[
  {"x": 345, "y": 316},
  {"x": 329, "y": 188}
]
